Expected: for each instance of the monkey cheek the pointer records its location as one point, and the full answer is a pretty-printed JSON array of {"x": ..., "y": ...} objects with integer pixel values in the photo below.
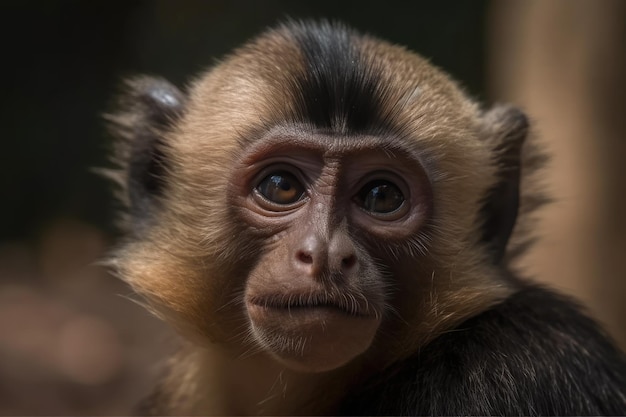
[{"x": 312, "y": 339}]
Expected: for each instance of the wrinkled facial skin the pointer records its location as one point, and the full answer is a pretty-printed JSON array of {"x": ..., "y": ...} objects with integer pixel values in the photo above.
[{"x": 316, "y": 298}]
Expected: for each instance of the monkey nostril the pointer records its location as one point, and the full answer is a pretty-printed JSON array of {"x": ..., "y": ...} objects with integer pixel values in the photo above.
[
  {"x": 304, "y": 257},
  {"x": 348, "y": 262}
]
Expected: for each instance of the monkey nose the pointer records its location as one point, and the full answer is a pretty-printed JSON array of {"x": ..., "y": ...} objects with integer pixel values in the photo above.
[
  {"x": 315, "y": 256},
  {"x": 314, "y": 264}
]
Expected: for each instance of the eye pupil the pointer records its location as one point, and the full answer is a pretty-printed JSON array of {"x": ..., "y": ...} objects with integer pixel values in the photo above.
[
  {"x": 380, "y": 197},
  {"x": 281, "y": 188},
  {"x": 284, "y": 185}
]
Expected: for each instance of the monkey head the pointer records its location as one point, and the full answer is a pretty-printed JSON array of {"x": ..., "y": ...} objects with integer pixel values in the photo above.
[{"x": 320, "y": 197}]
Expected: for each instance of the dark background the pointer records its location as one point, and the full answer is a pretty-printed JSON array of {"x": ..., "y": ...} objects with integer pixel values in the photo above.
[{"x": 71, "y": 341}]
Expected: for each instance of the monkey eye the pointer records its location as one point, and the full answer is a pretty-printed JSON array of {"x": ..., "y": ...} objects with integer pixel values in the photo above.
[
  {"x": 380, "y": 197},
  {"x": 281, "y": 188}
]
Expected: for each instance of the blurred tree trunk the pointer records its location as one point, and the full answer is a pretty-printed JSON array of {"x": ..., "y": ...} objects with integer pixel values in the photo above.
[{"x": 564, "y": 63}]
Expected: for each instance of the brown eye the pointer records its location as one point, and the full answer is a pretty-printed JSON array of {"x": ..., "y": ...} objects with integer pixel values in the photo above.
[
  {"x": 281, "y": 188},
  {"x": 380, "y": 197}
]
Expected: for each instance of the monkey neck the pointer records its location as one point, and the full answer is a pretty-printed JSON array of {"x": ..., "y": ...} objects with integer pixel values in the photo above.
[{"x": 223, "y": 384}]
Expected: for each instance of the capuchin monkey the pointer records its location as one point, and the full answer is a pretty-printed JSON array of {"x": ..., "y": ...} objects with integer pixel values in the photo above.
[{"x": 325, "y": 218}]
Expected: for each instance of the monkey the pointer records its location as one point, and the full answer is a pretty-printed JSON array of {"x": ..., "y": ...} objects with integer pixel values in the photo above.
[{"x": 326, "y": 219}]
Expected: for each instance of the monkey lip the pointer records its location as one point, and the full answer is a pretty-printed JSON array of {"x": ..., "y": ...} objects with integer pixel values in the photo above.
[{"x": 308, "y": 303}]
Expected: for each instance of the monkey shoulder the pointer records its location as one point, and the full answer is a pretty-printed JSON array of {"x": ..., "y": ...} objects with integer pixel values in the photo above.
[{"x": 535, "y": 353}]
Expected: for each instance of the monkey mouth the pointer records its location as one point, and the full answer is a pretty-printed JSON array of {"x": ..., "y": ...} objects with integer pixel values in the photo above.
[
  {"x": 347, "y": 304},
  {"x": 312, "y": 331}
]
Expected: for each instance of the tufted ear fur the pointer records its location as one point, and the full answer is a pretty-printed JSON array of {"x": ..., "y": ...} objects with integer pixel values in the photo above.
[
  {"x": 147, "y": 110},
  {"x": 507, "y": 129}
]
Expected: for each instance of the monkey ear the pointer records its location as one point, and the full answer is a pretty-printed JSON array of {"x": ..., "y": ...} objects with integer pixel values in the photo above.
[
  {"x": 147, "y": 110},
  {"x": 507, "y": 129}
]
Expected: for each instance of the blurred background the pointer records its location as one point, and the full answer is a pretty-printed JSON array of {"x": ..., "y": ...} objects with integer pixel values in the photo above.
[{"x": 71, "y": 341}]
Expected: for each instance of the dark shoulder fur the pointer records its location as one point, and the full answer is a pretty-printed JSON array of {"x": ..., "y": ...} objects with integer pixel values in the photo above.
[{"x": 535, "y": 354}]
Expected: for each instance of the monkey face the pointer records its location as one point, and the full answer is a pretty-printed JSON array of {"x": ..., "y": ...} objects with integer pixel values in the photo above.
[{"x": 318, "y": 295}]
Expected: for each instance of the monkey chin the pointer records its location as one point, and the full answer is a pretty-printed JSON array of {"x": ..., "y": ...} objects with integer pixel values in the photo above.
[{"x": 312, "y": 339}]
